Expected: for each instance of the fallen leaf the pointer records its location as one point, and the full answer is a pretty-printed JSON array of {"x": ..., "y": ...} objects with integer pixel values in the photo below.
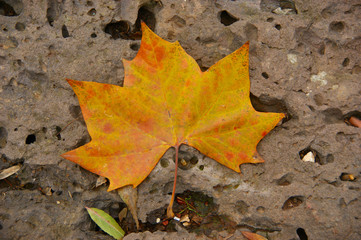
[
  {"x": 9, "y": 171},
  {"x": 167, "y": 101},
  {"x": 106, "y": 222},
  {"x": 122, "y": 214},
  {"x": 100, "y": 181},
  {"x": 252, "y": 236},
  {"x": 130, "y": 196}
]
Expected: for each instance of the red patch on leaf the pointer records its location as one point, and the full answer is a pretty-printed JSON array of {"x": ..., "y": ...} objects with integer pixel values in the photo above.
[
  {"x": 108, "y": 128},
  {"x": 159, "y": 53},
  {"x": 229, "y": 155}
]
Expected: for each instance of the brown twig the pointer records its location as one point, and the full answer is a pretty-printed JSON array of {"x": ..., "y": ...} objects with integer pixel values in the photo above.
[{"x": 67, "y": 126}]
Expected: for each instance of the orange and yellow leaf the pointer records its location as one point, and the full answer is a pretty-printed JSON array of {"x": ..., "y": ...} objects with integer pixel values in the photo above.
[{"x": 167, "y": 101}]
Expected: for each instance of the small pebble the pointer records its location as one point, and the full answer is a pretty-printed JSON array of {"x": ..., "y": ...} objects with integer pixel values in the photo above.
[
  {"x": 347, "y": 177},
  {"x": 176, "y": 218},
  {"x": 58, "y": 202},
  {"x": 355, "y": 122},
  {"x": 184, "y": 219},
  {"x": 158, "y": 220},
  {"x": 186, "y": 224},
  {"x": 309, "y": 157}
]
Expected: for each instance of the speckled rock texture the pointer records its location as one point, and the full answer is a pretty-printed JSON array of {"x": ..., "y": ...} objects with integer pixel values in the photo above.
[{"x": 304, "y": 61}]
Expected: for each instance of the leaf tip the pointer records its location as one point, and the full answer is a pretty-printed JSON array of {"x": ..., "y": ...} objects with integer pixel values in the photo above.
[
  {"x": 67, "y": 155},
  {"x": 73, "y": 83},
  {"x": 70, "y": 81},
  {"x": 144, "y": 26}
]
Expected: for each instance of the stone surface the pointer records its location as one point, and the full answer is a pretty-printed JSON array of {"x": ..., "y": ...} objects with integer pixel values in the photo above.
[{"x": 304, "y": 60}]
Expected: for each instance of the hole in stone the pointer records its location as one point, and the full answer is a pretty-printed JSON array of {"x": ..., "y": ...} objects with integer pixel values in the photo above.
[
  {"x": 278, "y": 26},
  {"x": 135, "y": 46},
  {"x": 347, "y": 177},
  {"x": 93, "y": 35},
  {"x": 285, "y": 179},
  {"x": 11, "y": 8},
  {"x": 89, "y": 3},
  {"x": 270, "y": 19},
  {"x": 336, "y": 26},
  {"x": 124, "y": 30},
  {"x": 15, "y": 129},
  {"x": 293, "y": 202},
  {"x": 92, "y": 12},
  {"x": 20, "y": 26},
  {"x": 164, "y": 162},
  {"x": 226, "y": 18},
  {"x": 285, "y": 5},
  {"x": 64, "y": 31},
  {"x": 302, "y": 234},
  {"x": 353, "y": 118},
  {"x": 186, "y": 160},
  {"x": 194, "y": 208},
  {"x": 30, "y": 186},
  {"x": 265, "y": 103},
  {"x": 288, "y": 4},
  {"x": 31, "y": 138},
  {"x": 3, "y": 137},
  {"x": 309, "y": 155},
  {"x": 148, "y": 17},
  {"x": 54, "y": 10},
  {"x": 201, "y": 167},
  {"x": 57, "y": 132},
  {"x": 265, "y": 75},
  {"x": 194, "y": 160},
  {"x": 117, "y": 30},
  {"x": 345, "y": 62},
  {"x": 178, "y": 21},
  {"x": 260, "y": 209}
]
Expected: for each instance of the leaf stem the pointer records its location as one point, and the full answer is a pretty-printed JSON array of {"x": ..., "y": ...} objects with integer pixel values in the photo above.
[{"x": 170, "y": 213}]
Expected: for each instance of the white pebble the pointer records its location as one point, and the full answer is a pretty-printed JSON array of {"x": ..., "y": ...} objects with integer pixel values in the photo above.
[{"x": 309, "y": 157}]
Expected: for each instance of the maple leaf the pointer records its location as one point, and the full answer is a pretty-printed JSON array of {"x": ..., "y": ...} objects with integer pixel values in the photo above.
[{"x": 167, "y": 101}]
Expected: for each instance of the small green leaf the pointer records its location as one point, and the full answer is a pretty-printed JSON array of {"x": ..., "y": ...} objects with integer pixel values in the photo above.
[{"x": 106, "y": 222}]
